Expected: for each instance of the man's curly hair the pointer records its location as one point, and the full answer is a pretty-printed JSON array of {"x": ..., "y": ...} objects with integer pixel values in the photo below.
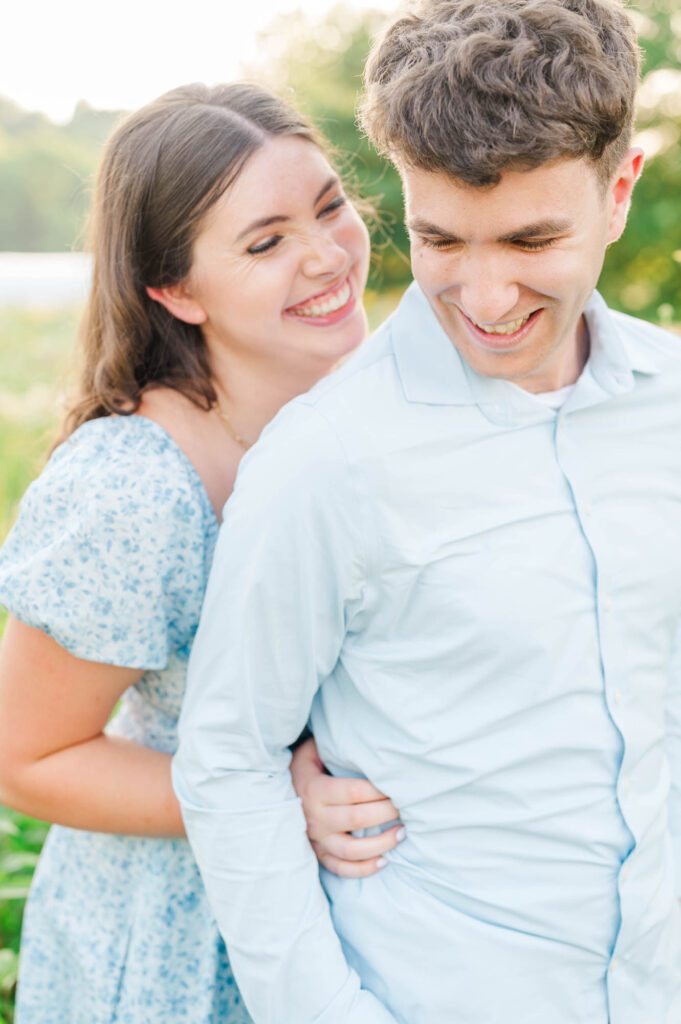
[{"x": 476, "y": 87}]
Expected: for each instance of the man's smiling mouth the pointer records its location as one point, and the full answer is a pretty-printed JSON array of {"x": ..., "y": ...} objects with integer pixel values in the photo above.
[
  {"x": 501, "y": 336},
  {"x": 508, "y": 328}
]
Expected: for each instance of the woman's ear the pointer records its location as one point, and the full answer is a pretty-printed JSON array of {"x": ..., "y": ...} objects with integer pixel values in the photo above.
[{"x": 180, "y": 302}]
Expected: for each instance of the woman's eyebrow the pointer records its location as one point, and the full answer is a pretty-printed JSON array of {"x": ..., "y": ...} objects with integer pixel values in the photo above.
[
  {"x": 280, "y": 218},
  {"x": 330, "y": 183},
  {"x": 263, "y": 222}
]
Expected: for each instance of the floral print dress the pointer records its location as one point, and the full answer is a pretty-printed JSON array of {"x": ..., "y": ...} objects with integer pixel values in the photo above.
[{"x": 110, "y": 557}]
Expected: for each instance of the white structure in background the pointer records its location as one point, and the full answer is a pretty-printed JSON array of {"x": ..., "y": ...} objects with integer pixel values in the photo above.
[{"x": 43, "y": 279}]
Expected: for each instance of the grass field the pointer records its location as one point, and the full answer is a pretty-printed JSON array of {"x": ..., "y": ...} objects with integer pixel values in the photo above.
[
  {"x": 34, "y": 356},
  {"x": 35, "y": 349},
  {"x": 35, "y": 364}
]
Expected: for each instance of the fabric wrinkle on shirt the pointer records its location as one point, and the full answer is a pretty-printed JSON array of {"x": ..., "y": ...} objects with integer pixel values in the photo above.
[{"x": 477, "y": 597}]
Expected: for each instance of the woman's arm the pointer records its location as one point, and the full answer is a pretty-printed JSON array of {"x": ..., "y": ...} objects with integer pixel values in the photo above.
[
  {"x": 336, "y": 807},
  {"x": 56, "y": 763}
]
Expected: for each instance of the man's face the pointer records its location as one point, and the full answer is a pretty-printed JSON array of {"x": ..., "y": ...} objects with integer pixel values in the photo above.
[{"x": 508, "y": 269}]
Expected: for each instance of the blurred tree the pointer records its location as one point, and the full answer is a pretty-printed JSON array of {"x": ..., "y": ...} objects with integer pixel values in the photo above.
[
  {"x": 45, "y": 169},
  {"x": 320, "y": 64},
  {"x": 643, "y": 271}
]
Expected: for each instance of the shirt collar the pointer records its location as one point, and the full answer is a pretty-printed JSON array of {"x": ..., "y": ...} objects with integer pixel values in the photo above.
[
  {"x": 429, "y": 366},
  {"x": 432, "y": 371},
  {"x": 614, "y": 354}
]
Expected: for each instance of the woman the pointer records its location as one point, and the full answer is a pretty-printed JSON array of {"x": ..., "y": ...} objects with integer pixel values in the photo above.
[{"x": 228, "y": 275}]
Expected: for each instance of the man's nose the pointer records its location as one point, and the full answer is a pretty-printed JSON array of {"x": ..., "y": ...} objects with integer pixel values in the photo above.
[{"x": 489, "y": 294}]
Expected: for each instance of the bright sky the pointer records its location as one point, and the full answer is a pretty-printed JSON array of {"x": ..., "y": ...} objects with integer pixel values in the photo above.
[{"x": 120, "y": 55}]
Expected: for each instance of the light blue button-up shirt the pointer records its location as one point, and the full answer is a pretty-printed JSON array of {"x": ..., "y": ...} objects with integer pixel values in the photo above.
[{"x": 475, "y": 597}]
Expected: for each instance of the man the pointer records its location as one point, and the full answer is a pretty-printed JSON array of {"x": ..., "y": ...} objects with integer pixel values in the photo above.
[{"x": 462, "y": 554}]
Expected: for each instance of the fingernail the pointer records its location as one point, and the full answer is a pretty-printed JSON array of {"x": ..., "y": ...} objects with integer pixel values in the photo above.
[
  {"x": 401, "y": 834},
  {"x": 381, "y": 862}
]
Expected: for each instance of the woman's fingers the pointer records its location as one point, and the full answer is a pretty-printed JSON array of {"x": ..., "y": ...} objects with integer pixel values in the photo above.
[
  {"x": 331, "y": 790},
  {"x": 346, "y": 847},
  {"x": 327, "y": 819},
  {"x": 351, "y": 869}
]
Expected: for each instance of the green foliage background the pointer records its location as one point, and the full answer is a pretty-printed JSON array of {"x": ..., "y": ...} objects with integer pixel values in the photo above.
[
  {"x": 45, "y": 179},
  {"x": 46, "y": 170},
  {"x": 34, "y": 357},
  {"x": 322, "y": 68}
]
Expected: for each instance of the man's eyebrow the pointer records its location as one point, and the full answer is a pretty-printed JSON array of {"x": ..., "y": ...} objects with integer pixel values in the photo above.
[
  {"x": 540, "y": 229},
  {"x": 280, "y": 218},
  {"x": 426, "y": 227}
]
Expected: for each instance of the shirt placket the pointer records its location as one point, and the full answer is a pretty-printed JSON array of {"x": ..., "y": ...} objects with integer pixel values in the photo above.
[{"x": 582, "y": 475}]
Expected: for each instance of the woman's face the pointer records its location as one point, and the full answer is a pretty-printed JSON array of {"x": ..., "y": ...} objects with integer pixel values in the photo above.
[{"x": 280, "y": 264}]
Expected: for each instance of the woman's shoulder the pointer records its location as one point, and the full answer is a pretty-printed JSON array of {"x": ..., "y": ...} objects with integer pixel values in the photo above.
[
  {"x": 128, "y": 462},
  {"x": 111, "y": 549},
  {"x": 115, "y": 448}
]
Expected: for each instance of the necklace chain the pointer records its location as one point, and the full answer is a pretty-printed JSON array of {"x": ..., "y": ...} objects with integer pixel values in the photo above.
[{"x": 243, "y": 442}]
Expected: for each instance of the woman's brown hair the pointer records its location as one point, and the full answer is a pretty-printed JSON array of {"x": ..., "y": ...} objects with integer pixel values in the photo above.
[{"x": 162, "y": 169}]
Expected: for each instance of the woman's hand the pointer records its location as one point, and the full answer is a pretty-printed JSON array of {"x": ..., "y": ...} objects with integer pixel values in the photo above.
[{"x": 335, "y": 807}]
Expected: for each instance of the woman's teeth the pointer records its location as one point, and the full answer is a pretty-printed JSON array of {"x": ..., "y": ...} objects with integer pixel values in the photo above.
[
  {"x": 509, "y": 328},
  {"x": 325, "y": 305}
]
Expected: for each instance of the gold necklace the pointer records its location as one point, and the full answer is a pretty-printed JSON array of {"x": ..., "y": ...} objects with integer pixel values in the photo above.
[{"x": 243, "y": 442}]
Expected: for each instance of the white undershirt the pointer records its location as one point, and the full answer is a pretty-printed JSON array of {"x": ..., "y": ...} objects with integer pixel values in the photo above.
[{"x": 555, "y": 399}]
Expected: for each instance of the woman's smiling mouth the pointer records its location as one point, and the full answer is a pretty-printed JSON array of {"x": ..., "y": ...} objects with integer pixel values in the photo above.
[{"x": 326, "y": 307}]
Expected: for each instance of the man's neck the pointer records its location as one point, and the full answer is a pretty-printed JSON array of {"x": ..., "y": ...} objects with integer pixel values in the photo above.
[{"x": 566, "y": 369}]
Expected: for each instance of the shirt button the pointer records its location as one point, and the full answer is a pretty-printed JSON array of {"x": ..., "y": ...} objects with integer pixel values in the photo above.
[
  {"x": 614, "y": 963},
  {"x": 618, "y": 696},
  {"x": 624, "y": 874}
]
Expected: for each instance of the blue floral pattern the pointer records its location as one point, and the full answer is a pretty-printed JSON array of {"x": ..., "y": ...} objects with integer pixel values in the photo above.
[{"x": 110, "y": 556}]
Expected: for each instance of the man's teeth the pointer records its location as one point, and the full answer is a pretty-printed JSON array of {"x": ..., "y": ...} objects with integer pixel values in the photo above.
[
  {"x": 325, "y": 306},
  {"x": 509, "y": 328}
]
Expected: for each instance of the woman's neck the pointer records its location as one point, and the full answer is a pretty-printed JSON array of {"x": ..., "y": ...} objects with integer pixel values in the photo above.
[{"x": 252, "y": 394}]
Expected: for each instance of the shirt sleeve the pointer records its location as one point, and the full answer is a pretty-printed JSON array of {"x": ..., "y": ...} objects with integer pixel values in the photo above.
[
  {"x": 106, "y": 556},
  {"x": 674, "y": 755},
  {"x": 287, "y": 582}
]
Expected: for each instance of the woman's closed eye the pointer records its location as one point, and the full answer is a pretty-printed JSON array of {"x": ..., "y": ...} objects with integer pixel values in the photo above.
[
  {"x": 273, "y": 241},
  {"x": 264, "y": 246},
  {"x": 334, "y": 205}
]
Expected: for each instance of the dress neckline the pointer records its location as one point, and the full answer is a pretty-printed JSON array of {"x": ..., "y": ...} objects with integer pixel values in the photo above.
[{"x": 170, "y": 440}]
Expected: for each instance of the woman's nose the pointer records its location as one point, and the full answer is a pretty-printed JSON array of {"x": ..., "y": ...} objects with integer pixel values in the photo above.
[{"x": 324, "y": 255}]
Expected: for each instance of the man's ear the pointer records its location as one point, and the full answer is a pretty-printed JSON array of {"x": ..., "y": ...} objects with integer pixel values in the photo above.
[
  {"x": 620, "y": 191},
  {"x": 179, "y": 301}
]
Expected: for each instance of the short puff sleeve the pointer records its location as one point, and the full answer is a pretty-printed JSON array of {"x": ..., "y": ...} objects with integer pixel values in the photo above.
[{"x": 111, "y": 549}]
